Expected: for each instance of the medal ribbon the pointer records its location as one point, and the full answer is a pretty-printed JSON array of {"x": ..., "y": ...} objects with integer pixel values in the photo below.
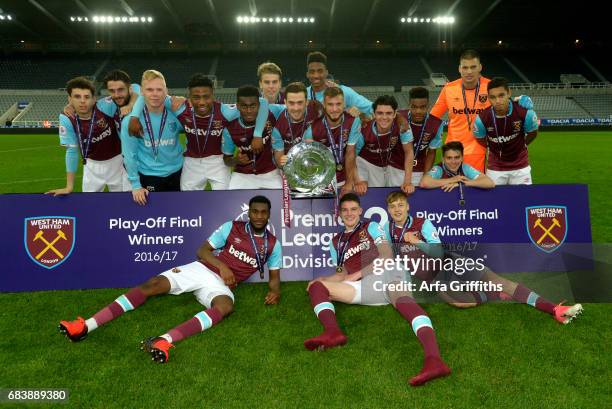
[
  {"x": 496, "y": 130},
  {"x": 337, "y": 150},
  {"x": 388, "y": 150},
  {"x": 195, "y": 127},
  {"x": 465, "y": 111},
  {"x": 343, "y": 246},
  {"x": 261, "y": 259},
  {"x": 147, "y": 118},
  {"x": 92, "y": 123}
]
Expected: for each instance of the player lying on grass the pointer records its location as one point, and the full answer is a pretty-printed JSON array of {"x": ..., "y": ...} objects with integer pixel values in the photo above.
[
  {"x": 243, "y": 248},
  {"x": 410, "y": 237},
  {"x": 452, "y": 170},
  {"x": 353, "y": 252}
]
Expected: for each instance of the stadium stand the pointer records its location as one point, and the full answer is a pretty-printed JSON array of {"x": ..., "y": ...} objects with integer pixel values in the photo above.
[
  {"x": 49, "y": 72},
  {"x": 37, "y": 81},
  {"x": 176, "y": 69},
  {"x": 597, "y": 106},
  {"x": 548, "y": 67}
]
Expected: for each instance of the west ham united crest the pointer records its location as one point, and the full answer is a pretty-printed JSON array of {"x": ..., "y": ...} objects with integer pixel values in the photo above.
[
  {"x": 547, "y": 226},
  {"x": 49, "y": 240}
]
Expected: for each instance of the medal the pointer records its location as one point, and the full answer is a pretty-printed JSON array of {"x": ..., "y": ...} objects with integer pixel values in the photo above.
[
  {"x": 92, "y": 124},
  {"x": 337, "y": 150},
  {"x": 339, "y": 269},
  {"x": 396, "y": 240}
]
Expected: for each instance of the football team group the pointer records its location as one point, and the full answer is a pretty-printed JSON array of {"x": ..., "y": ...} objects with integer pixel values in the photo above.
[{"x": 129, "y": 141}]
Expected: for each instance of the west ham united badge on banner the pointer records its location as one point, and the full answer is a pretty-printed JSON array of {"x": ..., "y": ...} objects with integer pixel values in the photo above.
[
  {"x": 547, "y": 226},
  {"x": 49, "y": 240}
]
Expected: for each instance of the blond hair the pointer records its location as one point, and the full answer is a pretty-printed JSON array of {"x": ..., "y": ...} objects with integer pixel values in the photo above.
[
  {"x": 396, "y": 195},
  {"x": 269, "y": 68},
  {"x": 149, "y": 75}
]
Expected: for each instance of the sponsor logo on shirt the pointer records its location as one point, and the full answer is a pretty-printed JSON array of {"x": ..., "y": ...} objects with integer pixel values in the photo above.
[
  {"x": 242, "y": 256},
  {"x": 470, "y": 111}
]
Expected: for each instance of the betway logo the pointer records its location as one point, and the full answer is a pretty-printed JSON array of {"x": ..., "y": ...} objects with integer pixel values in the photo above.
[
  {"x": 502, "y": 139},
  {"x": 203, "y": 132},
  {"x": 103, "y": 135},
  {"x": 162, "y": 142},
  {"x": 470, "y": 111},
  {"x": 242, "y": 256},
  {"x": 365, "y": 245}
]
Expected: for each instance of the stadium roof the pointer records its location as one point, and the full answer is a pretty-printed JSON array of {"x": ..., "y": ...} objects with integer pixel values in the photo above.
[{"x": 211, "y": 24}]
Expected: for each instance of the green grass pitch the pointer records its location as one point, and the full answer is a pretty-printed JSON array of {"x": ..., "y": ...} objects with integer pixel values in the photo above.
[{"x": 502, "y": 355}]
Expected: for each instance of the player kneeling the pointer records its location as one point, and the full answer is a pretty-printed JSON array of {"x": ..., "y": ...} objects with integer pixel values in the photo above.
[
  {"x": 360, "y": 246},
  {"x": 244, "y": 247}
]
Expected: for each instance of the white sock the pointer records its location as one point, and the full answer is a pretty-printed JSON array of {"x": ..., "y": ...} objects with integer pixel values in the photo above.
[
  {"x": 91, "y": 324},
  {"x": 167, "y": 337}
]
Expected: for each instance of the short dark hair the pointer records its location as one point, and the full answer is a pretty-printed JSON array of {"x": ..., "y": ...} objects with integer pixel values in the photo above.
[
  {"x": 316, "y": 56},
  {"x": 332, "y": 92},
  {"x": 418, "y": 92},
  {"x": 385, "y": 100},
  {"x": 117, "y": 75},
  {"x": 200, "y": 80},
  {"x": 498, "y": 82},
  {"x": 296, "y": 87},
  {"x": 260, "y": 199},
  {"x": 452, "y": 146},
  {"x": 81, "y": 83},
  {"x": 469, "y": 54},
  {"x": 247, "y": 91},
  {"x": 349, "y": 197}
]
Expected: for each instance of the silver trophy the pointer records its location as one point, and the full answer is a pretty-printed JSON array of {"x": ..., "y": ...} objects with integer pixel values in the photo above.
[{"x": 310, "y": 169}]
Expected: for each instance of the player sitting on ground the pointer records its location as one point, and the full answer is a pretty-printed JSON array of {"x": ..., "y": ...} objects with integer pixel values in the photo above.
[
  {"x": 452, "y": 170},
  {"x": 243, "y": 248},
  {"x": 505, "y": 130},
  {"x": 415, "y": 237},
  {"x": 352, "y": 251},
  {"x": 419, "y": 229},
  {"x": 93, "y": 133}
]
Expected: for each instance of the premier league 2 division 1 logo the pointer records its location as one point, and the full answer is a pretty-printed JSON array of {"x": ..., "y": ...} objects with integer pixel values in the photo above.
[
  {"x": 547, "y": 226},
  {"x": 49, "y": 240}
]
